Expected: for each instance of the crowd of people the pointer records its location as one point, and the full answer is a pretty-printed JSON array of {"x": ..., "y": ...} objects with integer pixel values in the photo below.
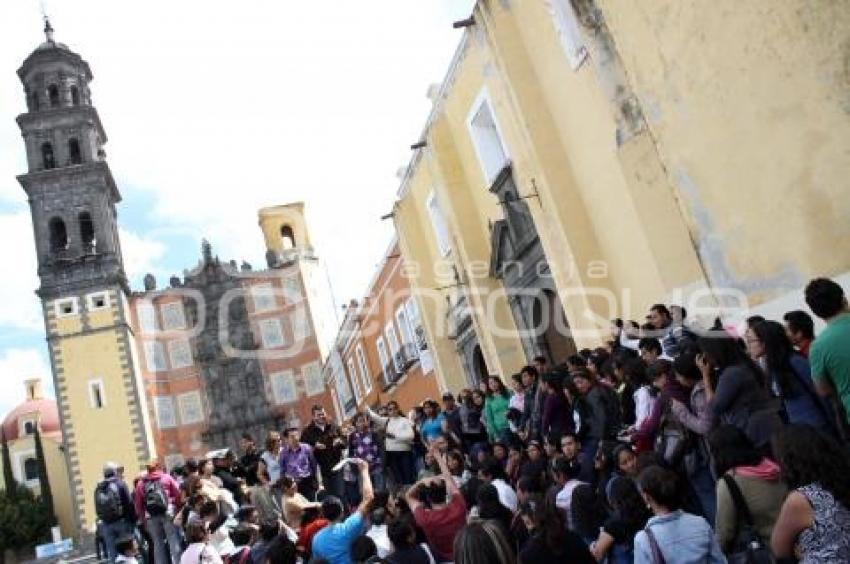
[{"x": 670, "y": 444}]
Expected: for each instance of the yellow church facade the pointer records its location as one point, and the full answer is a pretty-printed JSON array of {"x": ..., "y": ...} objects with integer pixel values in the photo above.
[{"x": 668, "y": 151}]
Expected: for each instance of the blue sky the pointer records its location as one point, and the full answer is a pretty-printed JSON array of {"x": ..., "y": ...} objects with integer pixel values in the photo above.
[{"x": 214, "y": 109}]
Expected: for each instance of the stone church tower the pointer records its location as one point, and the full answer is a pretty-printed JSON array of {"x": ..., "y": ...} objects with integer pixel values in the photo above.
[{"x": 83, "y": 287}]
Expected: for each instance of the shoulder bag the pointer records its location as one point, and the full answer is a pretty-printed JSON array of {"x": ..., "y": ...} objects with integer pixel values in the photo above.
[{"x": 749, "y": 548}]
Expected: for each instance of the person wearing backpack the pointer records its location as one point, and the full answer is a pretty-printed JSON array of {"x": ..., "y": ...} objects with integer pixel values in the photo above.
[
  {"x": 155, "y": 497},
  {"x": 750, "y": 493},
  {"x": 115, "y": 511}
]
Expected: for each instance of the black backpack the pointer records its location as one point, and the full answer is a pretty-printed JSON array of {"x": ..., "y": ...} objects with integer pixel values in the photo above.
[
  {"x": 155, "y": 498},
  {"x": 107, "y": 502}
]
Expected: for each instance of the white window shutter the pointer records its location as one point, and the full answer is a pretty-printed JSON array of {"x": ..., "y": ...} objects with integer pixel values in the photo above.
[{"x": 566, "y": 26}]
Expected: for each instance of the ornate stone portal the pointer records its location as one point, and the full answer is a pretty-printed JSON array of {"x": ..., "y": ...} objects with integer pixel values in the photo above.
[{"x": 233, "y": 385}]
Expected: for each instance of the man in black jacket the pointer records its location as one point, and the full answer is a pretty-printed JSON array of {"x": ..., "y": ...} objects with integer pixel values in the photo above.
[
  {"x": 328, "y": 445},
  {"x": 115, "y": 511},
  {"x": 223, "y": 469},
  {"x": 246, "y": 468}
]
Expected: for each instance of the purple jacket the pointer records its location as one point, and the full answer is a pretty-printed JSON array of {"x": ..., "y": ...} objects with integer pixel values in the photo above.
[{"x": 299, "y": 463}]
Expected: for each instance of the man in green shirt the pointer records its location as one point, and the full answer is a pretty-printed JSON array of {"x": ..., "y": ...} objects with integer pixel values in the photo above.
[{"x": 829, "y": 355}]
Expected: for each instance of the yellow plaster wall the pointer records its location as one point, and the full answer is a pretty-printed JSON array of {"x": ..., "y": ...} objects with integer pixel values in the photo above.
[
  {"x": 749, "y": 103},
  {"x": 421, "y": 256},
  {"x": 606, "y": 216},
  {"x": 60, "y": 486}
]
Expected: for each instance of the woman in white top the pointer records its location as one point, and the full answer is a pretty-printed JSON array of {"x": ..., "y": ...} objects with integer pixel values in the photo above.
[
  {"x": 398, "y": 444},
  {"x": 199, "y": 551},
  {"x": 271, "y": 456}
]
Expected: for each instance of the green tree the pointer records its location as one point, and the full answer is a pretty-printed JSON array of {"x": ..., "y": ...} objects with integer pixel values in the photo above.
[
  {"x": 8, "y": 477},
  {"x": 43, "y": 482},
  {"x": 23, "y": 519}
]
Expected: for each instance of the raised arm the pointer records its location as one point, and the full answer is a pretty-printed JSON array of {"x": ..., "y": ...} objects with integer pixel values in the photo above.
[
  {"x": 367, "y": 494},
  {"x": 451, "y": 485},
  {"x": 700, "y": 423},
  {"x": 375, "y": 418}
]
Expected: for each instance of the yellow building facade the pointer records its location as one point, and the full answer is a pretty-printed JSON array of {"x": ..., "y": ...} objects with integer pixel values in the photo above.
[{"x": 668, "y": 151}]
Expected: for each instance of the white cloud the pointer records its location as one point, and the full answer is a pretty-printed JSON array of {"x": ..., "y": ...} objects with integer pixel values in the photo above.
[
  {"x": 140, "y": 253},
  {"x": 17, "y": 365},
  {"x": 21, "y": 308},
  {"x": 218, "y": 108}
]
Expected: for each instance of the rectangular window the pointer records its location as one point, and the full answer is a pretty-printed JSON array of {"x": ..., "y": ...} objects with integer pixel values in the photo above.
[
  {"x": 191, "y": 410},
  {"x": 147, "y": 316},
  {"x": 271, "y": 333},
  {"x": 283, "y": 387},
  {"x": 291, "y": 289},
  {"x": 66, "y": 307},
  {"x": 364, "y": 369},
  {"x": 343, "y": 391},
  {"x": 426, "y": 362},
  {"x": 312, "y": 374},
  {"x": 164, "y": 409},
  {"x": 180, "y": 353},
  {"x": 403, "y": 325},
  {"x": 173, "y": 316},
  {"x": 486, "y": 139},
  {"x": 385, "y": 359},
  {"x": 99, "y": 300},
  {"x": 438, "y": 223},
  {"x": 263, "y": 296},
  {"x": 566, "y": 26},
  {"x": 392, "y": 339},
  {"x": 355, "y": 383},
  {"x": 415, "y": 323},
  {"x": 97, "y": 395},
  {"x": 155, "y": 356},
  {"x": 300, "y": 324}
]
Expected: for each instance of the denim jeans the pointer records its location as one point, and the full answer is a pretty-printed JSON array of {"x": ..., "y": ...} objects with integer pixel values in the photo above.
[
  {"x": 402, "y": 466},
  {"x": 162, "y": 531},
  {"x": 112, "y": 533},
  {"x": 352, "y": 489},
  {"x": 705, "y": 489}
]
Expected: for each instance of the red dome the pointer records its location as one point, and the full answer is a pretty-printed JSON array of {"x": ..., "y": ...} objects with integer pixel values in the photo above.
[{"x": 48, "y": 418}]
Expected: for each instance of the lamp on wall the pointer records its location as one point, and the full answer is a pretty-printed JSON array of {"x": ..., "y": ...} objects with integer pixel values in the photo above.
[
  {"x": 419, "y": 145},
  {"x": 468, "y": 22}
]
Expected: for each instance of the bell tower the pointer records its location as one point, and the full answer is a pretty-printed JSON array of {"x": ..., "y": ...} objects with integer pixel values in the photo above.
[{"x": 83, "y": 288}]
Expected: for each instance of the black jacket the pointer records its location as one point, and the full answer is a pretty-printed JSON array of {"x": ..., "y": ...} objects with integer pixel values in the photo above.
[{"x": 329, "y": 456}]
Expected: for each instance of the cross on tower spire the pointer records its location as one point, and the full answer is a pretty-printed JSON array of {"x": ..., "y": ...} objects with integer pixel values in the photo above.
[{"x": 48, "y": 29}]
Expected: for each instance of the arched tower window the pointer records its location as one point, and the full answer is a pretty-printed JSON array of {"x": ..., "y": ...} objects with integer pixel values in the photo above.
[
  {"x": 75, "y": 95},
  {"x": 74, "y": 155},
  {"x": 29, "y": 427},
  {"x": 47, "y": 155},
  {"x": 53, "y": 95},
  {"x": 288, "y": 237},
  {"x": 86, "y": 229},
  {"x": 58, "y": 235}
]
